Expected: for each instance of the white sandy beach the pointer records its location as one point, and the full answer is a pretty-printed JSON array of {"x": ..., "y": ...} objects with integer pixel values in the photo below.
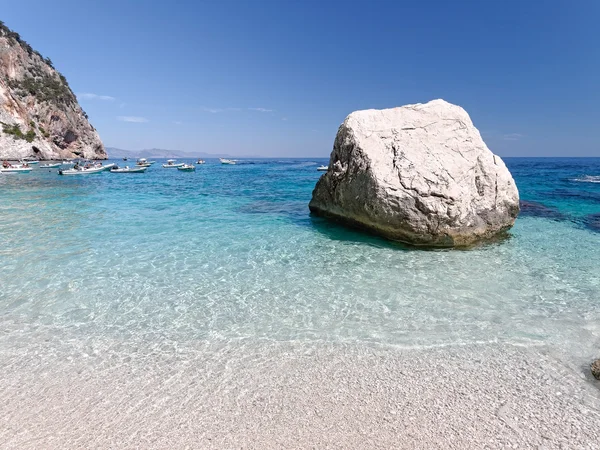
[{"x": 278, "y": 395}]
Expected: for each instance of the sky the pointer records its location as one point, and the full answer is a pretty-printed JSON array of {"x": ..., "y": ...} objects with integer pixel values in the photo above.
[{"x": 277, "y": 78}]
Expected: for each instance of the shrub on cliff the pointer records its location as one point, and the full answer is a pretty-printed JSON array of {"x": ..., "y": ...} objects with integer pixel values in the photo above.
[
  {"x": 16, "y": 133},
  {"x": 45, "y": 88}
]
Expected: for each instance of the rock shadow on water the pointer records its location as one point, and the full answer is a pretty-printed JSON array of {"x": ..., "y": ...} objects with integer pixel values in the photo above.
[
  {"x": 592, "y": 222},
  {"x": 298, "y": 213},
  {"x": 536, "y": 209},
  {"x": 338, "y": 231}
]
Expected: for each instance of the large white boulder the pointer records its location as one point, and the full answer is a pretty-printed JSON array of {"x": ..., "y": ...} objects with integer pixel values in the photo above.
[{"x": 419, "y": 174}]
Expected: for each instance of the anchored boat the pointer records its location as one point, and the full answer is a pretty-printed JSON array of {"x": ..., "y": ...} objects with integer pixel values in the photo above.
[
  {"x": 187, "y": 168},
  {"x": 144, "y": 162},
  {"x": 15, "y": 169},
  {"x": 88, "y": 169},
  {"x": 171, "y": 164},
  {"x": 128, "y": 169},
  {"x": 322, "y": 168}
]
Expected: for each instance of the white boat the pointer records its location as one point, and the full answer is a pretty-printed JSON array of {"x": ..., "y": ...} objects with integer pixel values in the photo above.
[
  {"x": 86, "y": 170},
  {"x": 322, "y": 168},
  {"x": 227, "y": 161},
  {"x": 128, "y": 169},
  {"x": 15, "y": 169},
  {"x": 172, "y": 165},
  {"x": 187, "y": 168},
  {"x": 200, "y": 161},
  {"x": 50, "y": 166},
  {"x": 81, "y": 171},
  {"x": 30, "y": 161},
  {"x": 144, "y": 162}
]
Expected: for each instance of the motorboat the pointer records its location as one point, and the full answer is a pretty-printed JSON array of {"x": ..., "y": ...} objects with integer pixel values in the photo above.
[
  {"x": 127, "y": 169},
  {"x": 227, "y": 161},
  {"x": 187, "y": 168},
  {"x": 87, "y": 169},
  {"x": 50, "y": 166},
  {"x": 172, "y": 165},
  {"x": 81, "y": 171},
  {"x": 30, "y": 161},
  {"x": 200, "y": 161},
  {"x": 15, "y": 169},
  {"x": 124, "y": 159},
  {"x": 322, "y": 168},
  {"x": 144, "y": 162}
]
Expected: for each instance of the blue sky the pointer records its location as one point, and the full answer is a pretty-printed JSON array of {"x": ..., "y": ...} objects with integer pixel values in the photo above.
[{"x": 276, "y": 78}]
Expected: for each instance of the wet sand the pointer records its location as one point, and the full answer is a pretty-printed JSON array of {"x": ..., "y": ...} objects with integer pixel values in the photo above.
[{"x": 279, "y": 395}]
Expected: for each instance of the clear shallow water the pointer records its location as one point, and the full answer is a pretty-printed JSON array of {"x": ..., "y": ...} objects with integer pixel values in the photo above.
[{"x": 231, "y": 253}]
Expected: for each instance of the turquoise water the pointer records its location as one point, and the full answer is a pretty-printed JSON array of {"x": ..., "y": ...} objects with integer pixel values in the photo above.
[{"x": 231, "y": 253}]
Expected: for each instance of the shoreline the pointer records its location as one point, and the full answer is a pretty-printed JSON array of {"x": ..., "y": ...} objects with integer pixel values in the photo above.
[{"x": 295, "y": 395}]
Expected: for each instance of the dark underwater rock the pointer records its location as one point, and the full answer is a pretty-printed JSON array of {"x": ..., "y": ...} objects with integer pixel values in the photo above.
[
  {"x": 593, "y": 222},
  {"x": 535, "y": 209}
]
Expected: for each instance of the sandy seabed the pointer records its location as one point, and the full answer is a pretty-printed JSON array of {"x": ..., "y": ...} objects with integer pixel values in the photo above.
[{"x": 304, "y": 395}]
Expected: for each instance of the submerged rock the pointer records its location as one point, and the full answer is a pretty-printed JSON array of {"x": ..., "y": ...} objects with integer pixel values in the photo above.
[
  {"x": 419, "y": 174},
  {"x": 595, "y": 367},
  {"x": 592, "y": 222},
  {"x": 39, "y": 114},
  {"x": 536, "y": 209}
]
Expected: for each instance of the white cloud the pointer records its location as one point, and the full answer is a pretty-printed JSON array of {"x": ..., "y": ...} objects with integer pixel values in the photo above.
[
  {"x": 91, "y": 96},
  {"x": 284, "y": 118},
  {"x": 261, "y": 109},
  {"x": 512, "y": 137},
  {"x": 177, "y": 122},
  {"x": 219, "y": 110},
  {"x": 212, "y": 110},
  {"x": 133, "y": 119}
]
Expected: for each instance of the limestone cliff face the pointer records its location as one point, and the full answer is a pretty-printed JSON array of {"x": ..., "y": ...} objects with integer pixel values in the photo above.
[{"x": 39, "y": 114}]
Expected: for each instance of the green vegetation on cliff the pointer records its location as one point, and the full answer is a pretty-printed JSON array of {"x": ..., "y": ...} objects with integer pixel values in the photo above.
[
  {"x": 5, "y": 31},
  {"x": 16, "y": 133},
  {"x": 45, "y": 87}
]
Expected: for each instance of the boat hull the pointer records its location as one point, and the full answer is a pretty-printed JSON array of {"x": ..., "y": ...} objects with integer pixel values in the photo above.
[
  {"x": 85, "y": 171},
  {"x": 16, "y": 170},
  {"x": 132, "y": 170}
]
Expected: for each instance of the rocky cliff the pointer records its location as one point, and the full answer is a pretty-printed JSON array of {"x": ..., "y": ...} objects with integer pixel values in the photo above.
[
  {"x": 419, "y": 174},
  {"x": 39, "y": 114}
]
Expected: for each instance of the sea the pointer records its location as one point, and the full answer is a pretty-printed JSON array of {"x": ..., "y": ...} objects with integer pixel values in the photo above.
[{"x": 230, "y": 254}]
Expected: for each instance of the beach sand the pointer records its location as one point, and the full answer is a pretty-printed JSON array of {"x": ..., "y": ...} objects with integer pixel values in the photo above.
[{"x": 281, "y": 395}]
